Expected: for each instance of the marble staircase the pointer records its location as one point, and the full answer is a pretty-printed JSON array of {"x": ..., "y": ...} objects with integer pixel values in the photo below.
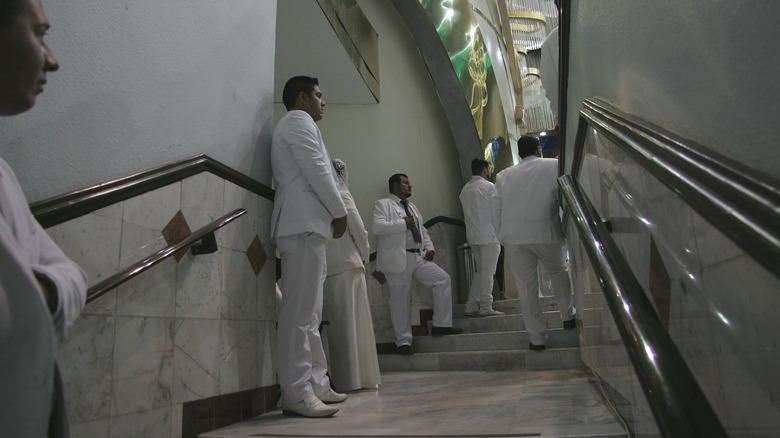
[{"x": 497, "y": 343}]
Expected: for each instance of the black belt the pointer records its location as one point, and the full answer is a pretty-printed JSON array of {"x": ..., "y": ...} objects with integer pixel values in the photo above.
[{"x": 417, "y": 250}]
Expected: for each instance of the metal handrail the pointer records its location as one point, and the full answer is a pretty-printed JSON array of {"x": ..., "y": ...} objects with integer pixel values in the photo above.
[
  {"x": 742, "y": 203},
  {"x": 117, "y": 279},
  {"x": 678, "y": 404}
]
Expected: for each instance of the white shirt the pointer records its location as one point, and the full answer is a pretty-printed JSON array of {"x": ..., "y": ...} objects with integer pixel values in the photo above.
[
  {"x": 525, "y": 206},
  {"x": 477, "y": 213}
]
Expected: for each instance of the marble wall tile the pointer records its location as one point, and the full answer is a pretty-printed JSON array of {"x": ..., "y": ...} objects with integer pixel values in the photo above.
[
  {"x": 199, "y": 286},
  {"x": 103, "y": 305},
  {"x": 749, "y": 407},
  {"x": 138, "y": 243},
  {"x": 712, "y": 246},
  {"x": 154, "y": 209},
  {"x": 93, "y": 242},
  {"x": 238, "y": 356},
  {"x": 589, "y": 177},
  {"x": 143, "y": 371},
  {"x": 186, "y": 330},
  {"x": 629, "y": 231},
  {"x": 671, "y": 223},
  {"x": 383, "y": 325},
  {"x": 177, "y": 427},
  {"x": 152, "y": 293},
  {"x": 266, "y": 353},
  {"x": 85, "y": 359},
  {"x": 238, "y": 235},
  {"x": 97, "y": 428},
  {"x": 154, "y": 423},
  {"x": 239, "y": 287},
  {"x": 115, "y": 211},
  {"x": 202, "y": 199},
  {"x": 743, "y": 308},
  {"x": 196, "y": 359}
]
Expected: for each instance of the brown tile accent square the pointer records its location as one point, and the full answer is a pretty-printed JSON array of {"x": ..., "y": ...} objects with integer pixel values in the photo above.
[
  {"x": 256, "y": 255},
  {"x": 176, "y": 230}
]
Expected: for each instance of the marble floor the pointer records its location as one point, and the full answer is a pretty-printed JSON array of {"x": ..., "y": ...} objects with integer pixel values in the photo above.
[{"x": 560, "y": 403}]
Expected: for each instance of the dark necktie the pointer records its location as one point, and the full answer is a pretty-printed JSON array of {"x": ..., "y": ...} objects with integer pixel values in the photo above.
[{"x": 415, "y": 231}]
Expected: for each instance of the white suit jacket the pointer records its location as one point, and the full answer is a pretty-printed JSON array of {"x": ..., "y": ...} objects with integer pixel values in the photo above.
[
  {"x": 27, "y": 329},
  {"x": 525, "y": 206},
  {"x": 307, "y": 198},
  {"x": 390, "y": 228},
  {"x": 477, "y": 211},
  {"x": 352, "y": 250}
]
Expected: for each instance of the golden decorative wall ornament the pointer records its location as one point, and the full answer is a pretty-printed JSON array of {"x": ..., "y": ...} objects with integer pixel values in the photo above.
[{"x": 478, "y": 71}]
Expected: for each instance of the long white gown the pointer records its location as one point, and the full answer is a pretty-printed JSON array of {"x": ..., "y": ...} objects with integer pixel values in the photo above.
[{"x": 351, "y": 345}]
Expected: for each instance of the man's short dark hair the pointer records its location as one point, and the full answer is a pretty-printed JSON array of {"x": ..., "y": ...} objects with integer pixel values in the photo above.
[
  {"x": 294, "y": 86},
  {"x": 527, "y": 145},
  {"x": 9, "y": 10},
  {"x": 477, "y": 164},
  {"x": 396, "y": 178}
]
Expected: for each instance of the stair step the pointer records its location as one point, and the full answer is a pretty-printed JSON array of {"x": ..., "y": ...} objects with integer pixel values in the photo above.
[
  {"x": 494, "y": 360},
  {"x": 502, "y": 323},
  {"x": 507, "y": 340},
  {"x": 547, "y": 303}
]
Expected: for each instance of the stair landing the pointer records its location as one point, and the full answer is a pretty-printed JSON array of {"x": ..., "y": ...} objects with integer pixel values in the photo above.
[{"x": 559, "y": 403}]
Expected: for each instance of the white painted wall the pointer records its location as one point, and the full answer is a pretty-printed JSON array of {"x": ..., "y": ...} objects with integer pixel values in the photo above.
[
  {"x": 704, "y": 70},
  {"x": 144, "y": 83},
  {"x": 405, "y": 132}
]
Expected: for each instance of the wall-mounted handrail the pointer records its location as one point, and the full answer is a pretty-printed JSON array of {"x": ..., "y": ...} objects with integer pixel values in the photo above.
[
  {"x": 679, "y": 406},
  {"x": 137, "y": 268},
  {"x": 62, "y": 208},
  {"x": 740, "y": 202}
]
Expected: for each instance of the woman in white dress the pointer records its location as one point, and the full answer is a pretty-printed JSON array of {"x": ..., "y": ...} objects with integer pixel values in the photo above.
[{"x": 352, "y": 359}]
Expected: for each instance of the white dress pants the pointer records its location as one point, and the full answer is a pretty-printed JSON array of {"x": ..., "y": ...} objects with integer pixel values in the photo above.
[
  {"x": 300, "y": 361},
  {"x": 522, "y": 261},
  {"x": 400, "y": 284},
  {"x": 481, "y": 291}
]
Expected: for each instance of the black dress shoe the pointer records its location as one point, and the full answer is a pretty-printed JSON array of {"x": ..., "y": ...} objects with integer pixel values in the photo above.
[
  {"x": 570, "y": 324},
  {"x": 404, "y": 350},
  {"x": 534, "y": 347},
  {"x": 443, "y": 331}
]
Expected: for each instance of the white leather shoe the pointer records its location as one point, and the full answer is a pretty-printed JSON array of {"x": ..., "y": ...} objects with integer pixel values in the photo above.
[
  {"x": 309, "y": 407},
  {"x": 491, "y": 312},
  {"x": 332, "y": 397}
]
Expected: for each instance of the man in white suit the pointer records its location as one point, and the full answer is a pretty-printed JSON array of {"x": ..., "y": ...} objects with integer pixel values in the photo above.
[
  {"x": 42, "y": 292},
  {"x": 404, "y": 253},
  {"x": 308, "y": 211},
  {"x": 475, "y": 197},
  {"x": 527, "y": 221}
]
